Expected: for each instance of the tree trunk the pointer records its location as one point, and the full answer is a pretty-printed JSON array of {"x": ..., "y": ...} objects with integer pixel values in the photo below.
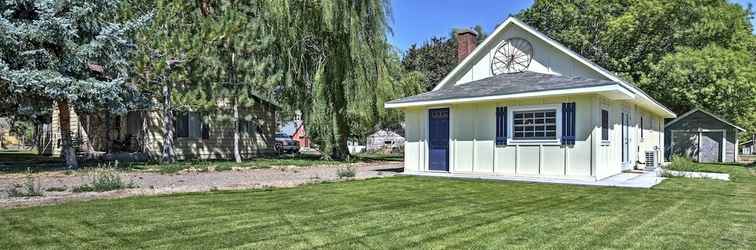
[
  {"x": 35, "y": 137},
  {"x": 143, "y": 131},
  {"x": 168, "y": 125},
  {"x": 108, "y": 132},
  {"x": 90, "y": 137},
  {"x": 340, "y": 150},
  {"x": 237, "y": 154},
  {"x": 64, "y": 118}
]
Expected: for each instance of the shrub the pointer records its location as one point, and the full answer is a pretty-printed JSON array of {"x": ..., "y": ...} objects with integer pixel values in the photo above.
[
  {"x": 102, "y": 179},
  {"x": 55, "y": 189},
  {"x": 172, "y": 168},
  {"x": 222, "y": 168},
  {"x": 681, "y": 163},
  {"x": 347, "y": 172},
  {"x": 29, "y": 188},
  {"x": 666, "y": 174}
]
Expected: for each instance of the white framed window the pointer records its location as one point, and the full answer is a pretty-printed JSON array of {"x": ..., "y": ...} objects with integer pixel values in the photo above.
[{"x": 536, "y": 124}]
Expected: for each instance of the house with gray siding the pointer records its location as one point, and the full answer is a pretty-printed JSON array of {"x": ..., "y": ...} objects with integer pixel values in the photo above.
[{"x": 703, "y": 137}]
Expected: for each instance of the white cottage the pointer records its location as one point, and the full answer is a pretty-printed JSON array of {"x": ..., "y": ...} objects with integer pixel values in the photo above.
[{"x": 521, "y": 104}]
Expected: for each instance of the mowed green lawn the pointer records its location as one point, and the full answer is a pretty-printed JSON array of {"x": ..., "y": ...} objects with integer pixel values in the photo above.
[{"x": 407, "y": 212}]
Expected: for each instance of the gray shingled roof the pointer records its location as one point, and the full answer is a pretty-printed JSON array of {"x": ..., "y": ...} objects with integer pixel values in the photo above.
[{"x": 506, "y": 84}]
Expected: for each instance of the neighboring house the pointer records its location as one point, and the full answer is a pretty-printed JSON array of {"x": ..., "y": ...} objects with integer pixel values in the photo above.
[
  {"x": 703, "y": 137},
  {"x": 521, "y": 104},
  {"x": 384, "y": 139},
  {"x": 301, "y": 136},
  {"x": 198, "y": 135},
  {"x": 296, "y": 130},
  {"x": 746, "y": 148}
]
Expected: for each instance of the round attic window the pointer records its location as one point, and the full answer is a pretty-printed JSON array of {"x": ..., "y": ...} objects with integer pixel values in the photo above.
[{"x": 512, "y": 56}]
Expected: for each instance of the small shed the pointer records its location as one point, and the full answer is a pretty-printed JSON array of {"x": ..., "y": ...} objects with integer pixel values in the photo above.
[
  {"x": 383, "y": 138},
  {"x": 702, "y": 136}
]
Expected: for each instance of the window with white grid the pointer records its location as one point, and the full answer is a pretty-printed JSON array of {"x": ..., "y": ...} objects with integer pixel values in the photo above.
[{"x": 534, "y": 124}]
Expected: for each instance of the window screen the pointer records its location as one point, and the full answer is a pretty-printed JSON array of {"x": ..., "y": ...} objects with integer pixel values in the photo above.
[
  {"x": 604, "y": 125},
  {"x": 191, "y": 125},
  {"x": 181, "y": 124},
  {"x": 538, "y": 124},
  {"x": 247, "y": 127},
  {"x": 501, "y": 125},
  {"x": 642, "y": 126}
]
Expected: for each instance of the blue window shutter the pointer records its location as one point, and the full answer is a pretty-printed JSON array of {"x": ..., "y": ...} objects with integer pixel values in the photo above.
[
  {"x": 501, "y": 125},
  {"x": 568, "y": 123}
]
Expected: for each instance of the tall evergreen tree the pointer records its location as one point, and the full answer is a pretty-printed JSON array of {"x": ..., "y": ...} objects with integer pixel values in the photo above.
[
  {"x": 238, "y": 55},
  {"x": 436, "y": 57},
  {"x": 160, "y": 64},
  {"x": 71, "y": 52},
  {"x": 225, "y": 50}
]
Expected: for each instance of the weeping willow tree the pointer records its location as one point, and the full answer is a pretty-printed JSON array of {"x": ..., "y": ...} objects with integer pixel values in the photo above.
[{"x": 338, "y": 66}]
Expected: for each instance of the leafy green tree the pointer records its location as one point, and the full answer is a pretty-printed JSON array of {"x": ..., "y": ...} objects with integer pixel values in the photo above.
[
  {"x": 436, "y": 57},
  {"x": 713, "y": 77},
  {"x": 683, "y": 53},
  {"x": 627, "y": 37},
  {"x": 69, "y": 52}
]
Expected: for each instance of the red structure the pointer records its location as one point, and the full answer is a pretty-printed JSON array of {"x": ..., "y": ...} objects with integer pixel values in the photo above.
[{"x": 301, "y": 136}]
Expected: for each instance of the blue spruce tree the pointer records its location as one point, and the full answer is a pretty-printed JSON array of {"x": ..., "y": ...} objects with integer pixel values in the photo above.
[{"x": 73, "y": 53}]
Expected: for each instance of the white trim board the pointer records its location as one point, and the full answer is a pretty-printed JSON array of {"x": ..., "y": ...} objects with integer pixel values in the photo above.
[
  {"x": 621, "y": 93},
  {"x": 511, "y": 20},
  {"x": 705, "y": 112}
]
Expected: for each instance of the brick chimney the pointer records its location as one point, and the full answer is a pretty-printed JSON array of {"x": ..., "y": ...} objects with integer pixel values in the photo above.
[{"x": 466, "y": 42}]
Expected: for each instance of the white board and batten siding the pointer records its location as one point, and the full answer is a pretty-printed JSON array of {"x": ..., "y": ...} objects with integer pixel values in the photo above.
[
  {"x": 472, "y": 147},
  {"x": 472, "y": 142}
]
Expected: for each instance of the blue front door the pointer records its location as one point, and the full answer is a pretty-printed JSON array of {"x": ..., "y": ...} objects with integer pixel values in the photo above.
[{"x": 438, "y": 131}]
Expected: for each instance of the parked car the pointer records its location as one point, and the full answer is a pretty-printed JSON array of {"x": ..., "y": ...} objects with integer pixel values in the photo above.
[{"x": 285, "y": 144}]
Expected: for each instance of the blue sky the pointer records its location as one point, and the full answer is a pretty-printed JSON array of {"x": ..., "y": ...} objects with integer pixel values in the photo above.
[{"x": 416, "y": 21}]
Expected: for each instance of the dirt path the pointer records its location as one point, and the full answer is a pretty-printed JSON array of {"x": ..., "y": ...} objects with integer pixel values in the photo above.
[{"x": 155, "y": 183}]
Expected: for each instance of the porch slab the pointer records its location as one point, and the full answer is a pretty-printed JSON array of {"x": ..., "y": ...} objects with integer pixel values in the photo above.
[{"x": 628, "y": 180}]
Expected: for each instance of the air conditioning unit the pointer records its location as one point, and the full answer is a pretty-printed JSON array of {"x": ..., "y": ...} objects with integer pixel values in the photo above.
[{"x": 651, "y": 162}]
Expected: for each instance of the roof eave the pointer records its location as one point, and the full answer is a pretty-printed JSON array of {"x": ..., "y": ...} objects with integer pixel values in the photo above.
[
  {"x": 615, "y": 92},
  {"x": 707, "y": 113}
]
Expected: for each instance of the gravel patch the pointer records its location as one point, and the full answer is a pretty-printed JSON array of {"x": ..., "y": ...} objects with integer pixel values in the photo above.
[{"x": 150, "y": 183}]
